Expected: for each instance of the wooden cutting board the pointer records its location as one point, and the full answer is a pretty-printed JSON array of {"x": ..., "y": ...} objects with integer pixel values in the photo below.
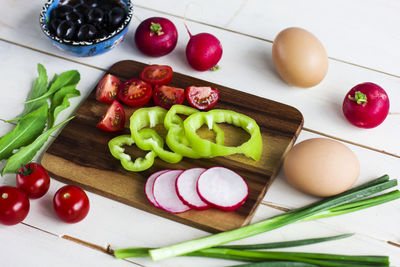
[{"x": 80, "y": 155}]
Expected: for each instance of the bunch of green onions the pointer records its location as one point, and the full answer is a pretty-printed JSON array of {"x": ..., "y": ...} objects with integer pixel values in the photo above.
[{"x": 352, "y": 200}]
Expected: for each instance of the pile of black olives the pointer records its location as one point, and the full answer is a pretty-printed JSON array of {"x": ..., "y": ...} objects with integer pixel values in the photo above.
[{"x": 86, "y": 20}]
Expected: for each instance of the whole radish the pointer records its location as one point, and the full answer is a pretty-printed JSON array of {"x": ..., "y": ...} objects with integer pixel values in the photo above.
[
  {"x": 366, "y": 105},
  {"x": 156, "y": 36},
  {"x": 203, "y": 51}
]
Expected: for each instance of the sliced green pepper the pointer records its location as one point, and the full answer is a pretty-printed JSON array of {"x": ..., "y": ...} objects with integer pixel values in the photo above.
[
  {"x": 176, "y": 138},
  {"x": 140, "y": 164},
  {"x": 251, "y": 148},
  {"x": 150, "y": 117}
]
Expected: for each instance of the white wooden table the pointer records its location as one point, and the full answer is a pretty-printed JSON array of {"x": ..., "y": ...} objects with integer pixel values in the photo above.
[{"x": 362, "y": 41}]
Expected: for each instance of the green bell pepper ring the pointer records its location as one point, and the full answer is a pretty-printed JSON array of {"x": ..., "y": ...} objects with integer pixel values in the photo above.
[
  {"x": 251, "y": 148},
  {"x": 150, "y": 117},
  {"x": 140, "y": 164},
  {"x": 176, "y": 138}
]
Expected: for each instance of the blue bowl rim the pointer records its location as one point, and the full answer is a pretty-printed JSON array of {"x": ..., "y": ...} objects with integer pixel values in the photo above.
[{"x": 46, "y": 31}]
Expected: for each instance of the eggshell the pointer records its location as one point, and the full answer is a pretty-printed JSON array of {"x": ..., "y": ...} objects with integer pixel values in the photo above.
[
  {"x": 321, "y": 167},
  {"x": 299, "y": 57}
]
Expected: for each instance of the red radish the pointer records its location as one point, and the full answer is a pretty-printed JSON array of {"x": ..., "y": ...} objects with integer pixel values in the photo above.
[
  {"x": 156, "y": 36},
  {"x": 148, "y": 188},
  {"x": 203, "y": 51},
  {"x": 222, "y": 188},
  {"x": 165, "y": 194},
  {"x": 186, "y": 188},
  {"x": 366, "y": 105}
]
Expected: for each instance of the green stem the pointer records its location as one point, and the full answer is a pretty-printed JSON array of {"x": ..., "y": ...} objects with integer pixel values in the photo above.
[
  {"x": 359, "y": 97},
  {"x": 156, "y": 28}
]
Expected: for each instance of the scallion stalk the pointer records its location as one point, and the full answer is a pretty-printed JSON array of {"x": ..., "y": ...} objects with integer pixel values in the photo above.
[{"x": 304, "y": 213}]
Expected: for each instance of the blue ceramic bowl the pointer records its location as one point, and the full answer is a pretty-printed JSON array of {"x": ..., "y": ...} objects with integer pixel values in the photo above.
[{"x": 85, "y": 48}]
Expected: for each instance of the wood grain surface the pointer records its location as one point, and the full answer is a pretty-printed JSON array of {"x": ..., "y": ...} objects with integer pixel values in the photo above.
[{"x": 80, "y": 155}]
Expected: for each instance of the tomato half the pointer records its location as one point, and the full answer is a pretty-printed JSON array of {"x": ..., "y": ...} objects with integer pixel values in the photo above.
[
  {"x": 71, "y": 204},
  {"x": 167, "y": 96},
  {"x": 202, "y": 97},
  {"x": 157, "y": 74},
  {"x": 14, "y": 205},
  {"x": 114, "y": 120},
  {"x": 33, "y": 179},
  {"x": 135, "y": 92},
  {"x": 107, "y": 89}
]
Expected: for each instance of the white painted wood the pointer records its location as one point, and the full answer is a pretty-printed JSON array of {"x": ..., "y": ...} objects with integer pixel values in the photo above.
[
  {"x": 360, "y": 32},
  {"x": 23, "y": 245},
  {"x": 246, "y": 66}
]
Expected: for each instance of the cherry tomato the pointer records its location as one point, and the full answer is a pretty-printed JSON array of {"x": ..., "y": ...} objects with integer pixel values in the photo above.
[
  {"x": 157, "y": 74},
  {"x": 203, "y": 97},
  {"x": 135, "y": 92},
  {"x": 107, "y": 89},
  {"x": 114, "y": 120},
  {"x": 14, "y": 205},
  {"x": 366, "y": 105},
  {"x": 33, "y": 179},
  {"x": 71, "y": 204},
  {"x": 167, "y": 96}
]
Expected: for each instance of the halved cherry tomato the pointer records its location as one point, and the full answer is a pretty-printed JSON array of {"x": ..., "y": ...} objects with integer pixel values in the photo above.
[
  {"x": 135, "y": 92},
  {"x": 14, "y": 205},
  {"x": 33, "y": 179},
  {"x": 114, "y": 120},
  {"x": 157, "y": 74},
  {"x": 202, "y": 97},
  {"x": 107, "y": 89},
  {"x": 167, "y": 96}
]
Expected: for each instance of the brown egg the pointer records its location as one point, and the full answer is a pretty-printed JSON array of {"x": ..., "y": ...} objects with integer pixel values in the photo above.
[
  {"x": 321, "y": 167},
  {"x": 299, "y": 57}
]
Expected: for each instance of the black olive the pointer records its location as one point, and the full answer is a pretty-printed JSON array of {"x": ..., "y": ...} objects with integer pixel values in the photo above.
[
  {"x": 75, "y": 17},
  {"x": 61, "y": 11},
  {"x": 86, "y": 32},
  {"x": 91, "y": 3},
  {"x": 95, "y": 15},
  {"x": 116, "y": 15},
  {"x": 53, "y": 24},
  {"x": 82, "y": 9},
  {"x": 102, "y": 33},
  {"x": 66, "y": 29}
]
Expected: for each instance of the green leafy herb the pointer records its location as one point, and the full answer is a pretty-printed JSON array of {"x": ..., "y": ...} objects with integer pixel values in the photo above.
[
  {"x": 60, "y": 101},
  {"x": 26, "y": 154},
  {"x": 67, "y": 78},
  {"x": 30, "y": 127},
  {"x": 39, "y": 88},
  {"x": 316, "y": 210}
]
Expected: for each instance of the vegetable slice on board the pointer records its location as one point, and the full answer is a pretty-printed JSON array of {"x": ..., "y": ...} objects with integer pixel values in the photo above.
[
  {"x": 202, "y": 97},
  {"x": 222, "y": 188},
  {"x": 148, "y": 188},
  {"x": 165, "y": 194},
  {"x": 157, "y": 74},
  {"x": 167, "y": 96},
  {"x": 107, "y": 89},
  {"x": 135, "y": 92},
  {"x": 114, "y": 119},
  {"x": 186, "y": 188}
]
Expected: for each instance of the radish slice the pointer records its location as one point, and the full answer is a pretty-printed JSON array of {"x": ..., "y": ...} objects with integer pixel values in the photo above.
[
  {"x": 148, "y": 188},
  {"x": 222, "y": 188},
  {"x": 165, "y": 194},
  {"x": 186, "y": 188}
]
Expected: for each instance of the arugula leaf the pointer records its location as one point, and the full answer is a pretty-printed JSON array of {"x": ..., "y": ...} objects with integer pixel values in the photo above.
[
  {"x": 60, "y": 101},
  {"x": 30, "y": 127},
  {"x": 66, "y": 78},
  {"x": 27, "y": 153},
  {"x": 39, "y": 88}
]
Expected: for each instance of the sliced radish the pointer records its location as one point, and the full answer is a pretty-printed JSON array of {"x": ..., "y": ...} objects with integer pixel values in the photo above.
[
  {"x": 165, "y": 194},
  {"x": 222, "y": 188},
  {"x": 186, "y": 188},
  {"x": 148, "y": 188}
]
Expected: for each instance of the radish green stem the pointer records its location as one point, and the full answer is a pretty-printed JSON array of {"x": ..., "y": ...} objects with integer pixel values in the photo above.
[
  {"x": 349, "y": 196},
  {"x": 359, "y": 97}
]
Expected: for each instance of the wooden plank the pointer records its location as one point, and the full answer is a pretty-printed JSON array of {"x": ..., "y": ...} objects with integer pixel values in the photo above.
[{"x": 84, "y": 159}]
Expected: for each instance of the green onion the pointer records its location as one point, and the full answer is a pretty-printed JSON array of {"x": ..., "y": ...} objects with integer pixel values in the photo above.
[
  {"x": 276, "y": 264},
  {"x": 317, "y": 210},
  {"x": 287, "y": 244},
  {"x": 144, "y": 251}
]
